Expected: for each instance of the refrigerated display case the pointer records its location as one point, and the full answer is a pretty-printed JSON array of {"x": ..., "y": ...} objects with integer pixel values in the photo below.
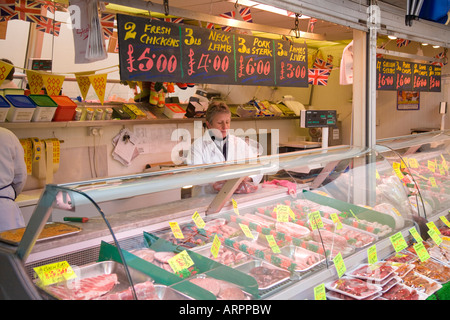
[
  {"x": 421, "y": 163},
  {"x": 275, "y": 240}
]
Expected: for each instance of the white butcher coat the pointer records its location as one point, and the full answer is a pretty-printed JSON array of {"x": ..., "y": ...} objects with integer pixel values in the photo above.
[
  {"x": 13, "y": 175},
  {"x": 206, "y": 151}
]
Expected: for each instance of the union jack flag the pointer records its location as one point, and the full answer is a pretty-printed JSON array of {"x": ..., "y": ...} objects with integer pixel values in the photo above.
[
  {"x": 107, "y": 22},
  {"x": 246, "y": 14},
  {"x": 209, "y": 25},
  {"x": 318, "y": 76},
  {"x": 439, "y": 56},
  {"x": 311, "y": 24},
  {"x": 174, "y": 20},
  {"x": 7, "y": 10},
  {"x": 47, "y": 25},
  {"x": 228, "y": 15},
  {"x": 28, "y": 10},
  {"x": 322, "y": 64},
  {"x": 383, "y": 46},
  {"x": 402, "y": 42}
]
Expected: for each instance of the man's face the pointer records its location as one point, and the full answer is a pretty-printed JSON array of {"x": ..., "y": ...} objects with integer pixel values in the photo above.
[{"x": 221, "y": 122}]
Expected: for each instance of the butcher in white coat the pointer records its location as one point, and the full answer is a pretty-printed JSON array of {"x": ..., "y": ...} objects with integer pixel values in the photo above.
[
  {"x": 217, "y": 144},
  {"x": 13, "y": 175}
]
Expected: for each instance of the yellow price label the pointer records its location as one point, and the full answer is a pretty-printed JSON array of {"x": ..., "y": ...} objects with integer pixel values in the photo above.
[
  {"x": 319, "y": 292},
  {"x": 246, "y": 231},
  {"x": 444, "y": 220},
  {"x": 431, "y": 225},
  {"x": 198, "y": 220},
  {"x": 180, "y": 261},
  {"x": 336, "y": 221},
  {"x": 433, "y": 182},
  {"x": 397, "y": 170},
  {"x": 435, "y": 236},
  {"x": 413, "y": 163},
  {"x": 431, "y": 166},
  {"x": 339, "y": 264},
  {"x": 235, "y": 206},
  {"x": 176, "y": 230},
  {"x": 282, "y": 214},
  {"x": 315, "y": 220},
  {"x": 54, "y": 273},
  {"x": 215, "y": 247},
  {"x": 272, "y": 243},
  {"x": 372, "y": 254},
  {"x": 398, "y": 242},
  {"x": 415, "y": 234},
  {"x": 444, "y": 163},
  {"x": 441, "y": 170},
  {"x": 377, "y": 175},
  {"x": 421, "y": 251}
]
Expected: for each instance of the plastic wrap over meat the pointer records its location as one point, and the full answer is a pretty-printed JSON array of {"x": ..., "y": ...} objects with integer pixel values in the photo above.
[{"x": 244, "y": 186}]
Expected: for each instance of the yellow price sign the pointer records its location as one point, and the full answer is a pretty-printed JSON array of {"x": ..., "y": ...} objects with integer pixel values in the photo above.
[
  {"x": 398, "y": 242},
  {"x": 444, "y": 220},
  {"x": 433, "y": 182},
  {"x": 246, "y": 231},
  {"x": 431, "y": 166},
  {"x": 198, "y": 220},
  {"x": 235, "y": 206},
  {"x": 180, "y": 261},
  {"x": 415, "y": 234},
  {"x": 431, "y": 225},
  {"x": 272, "y": 243},
  {"x": 336, "y": 221},
  {"x": 435, "y": 236},
  {"x": 421, "y": 251},
  {"x": 339, "y": 265},
  {"x": 315, "y": 220},
  {"x": 413, "y": 163},
  {"x": 372, "y": 254},
  {"x": 176, "y": 230},
  {"x": 282, "y": 214},
  {"x": 215, "y": 247},
  {"x": 319, "y": 292},
  {"x": 54, "y": 273}
]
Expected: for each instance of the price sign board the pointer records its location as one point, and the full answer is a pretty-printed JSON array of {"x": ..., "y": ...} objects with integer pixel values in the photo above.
[{"x": 154, "y": 50}]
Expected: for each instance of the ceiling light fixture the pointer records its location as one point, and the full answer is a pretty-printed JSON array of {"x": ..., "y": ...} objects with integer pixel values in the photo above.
[
  {"x": 392, "y": 37},
  {"x": 436, "y": 47},
  {"x": 265, "y": 7},
  {"x": 424, "y": 44}
]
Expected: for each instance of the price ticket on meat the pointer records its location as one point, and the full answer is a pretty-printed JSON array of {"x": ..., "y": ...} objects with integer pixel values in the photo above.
[
  {"x": 55, "y": 272},
  {"x": 444, "y": 219},
  {"x": 272, "y": 243},
  {"x": 415, "y": 234},
  {"x": 421, "y": 251},
  {"x": 339, "y": 265},
  {"x": 372, "y": 254},
  {"x": 319, "y": 292},
  {"x": 235, "y": 206},
  {"x": 398, "y": 242},
  {"x": 282, "y": 214},
  {"x": 435, "y": 236},
  {"x": 315, "y": 220},
  {"x": 215, "y": 247},
  {"x": 176, "y": 230},
  {"x": 198, "y": 220},
  {"x": 336, "y": 221},
  {"x": 432, "y": 226},
  {"x": 180, "y": 261}
]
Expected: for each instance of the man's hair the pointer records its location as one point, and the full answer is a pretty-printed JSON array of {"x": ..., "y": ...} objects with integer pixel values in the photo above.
[
  {"x": 215, "y": 108},
  {"x": 10, "y": 75}
]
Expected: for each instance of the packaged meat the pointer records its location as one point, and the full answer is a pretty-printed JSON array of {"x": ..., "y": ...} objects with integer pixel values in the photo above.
[
  {"x": 222, "y": 228},
  {"x": 226, "y": 255},
  {"x": 403, "y": 256},
  {"x": 402, "y": 292},
  {"x": 301, "y": 258},
  {"x": 376, "y": 272},
  {"x": 267, "y": 276},
  {"x": 333, "y": 295},
  {"x": 433, "y": 270},
  {"x": 356, "y": 238},
  {"x": 391, "y": 281},
  {"x": 223, "y": 290},
  {"x": 291, "y": 229},
  {"x": 353, "y": 287},
  {"x": 96, "y": 280},
  {"x": 331, "y": 240},
  {"x": 147, "y": 291},
  {"x": 259, "y": 220},
  {"x": 420, "y": 283},
  {"x": 144, "y": 253}
]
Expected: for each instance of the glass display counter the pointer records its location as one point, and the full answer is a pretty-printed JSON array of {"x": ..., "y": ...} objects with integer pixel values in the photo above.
[
  {"x": 234, "y": 239},
  {"x": 421, "y": 163}
]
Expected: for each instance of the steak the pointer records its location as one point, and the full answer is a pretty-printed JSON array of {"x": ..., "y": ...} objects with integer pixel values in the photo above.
[{"x": 84, "y": 289}]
